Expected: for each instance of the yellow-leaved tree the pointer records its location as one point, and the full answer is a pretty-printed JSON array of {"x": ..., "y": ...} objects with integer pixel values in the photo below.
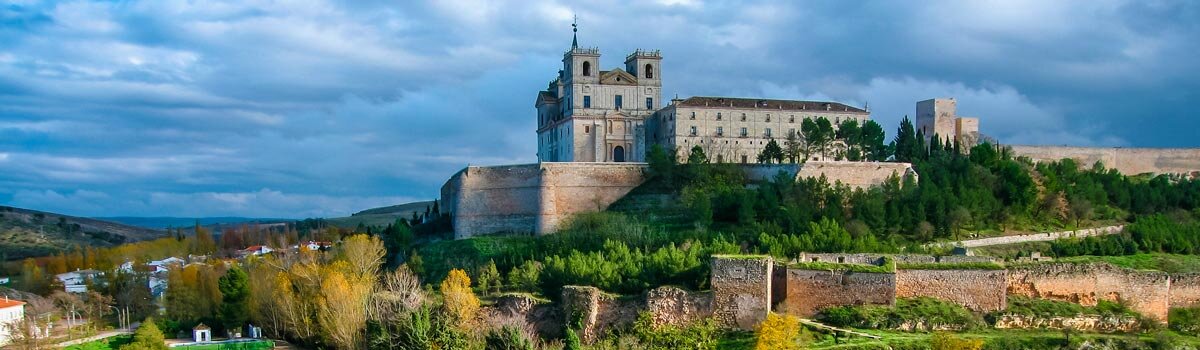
[
  {"x": 778, "y": 332},
  {"x": 458, "y": 299},
  {"x": 343, "y": 309}
]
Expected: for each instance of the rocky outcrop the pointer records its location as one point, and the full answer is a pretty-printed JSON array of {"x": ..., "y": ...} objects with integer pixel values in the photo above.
[{"x": 1089, "y": 323}]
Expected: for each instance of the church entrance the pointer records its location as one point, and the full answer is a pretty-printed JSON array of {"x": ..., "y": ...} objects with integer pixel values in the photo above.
[{"x": 618, "y": 154}]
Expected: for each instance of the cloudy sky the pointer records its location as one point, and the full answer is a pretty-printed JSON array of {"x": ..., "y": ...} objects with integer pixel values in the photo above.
[{"x": 305, "y": 108}]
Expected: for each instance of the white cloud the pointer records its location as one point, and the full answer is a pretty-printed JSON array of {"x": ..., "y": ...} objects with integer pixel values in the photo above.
[{"x": 261, "y": 203}]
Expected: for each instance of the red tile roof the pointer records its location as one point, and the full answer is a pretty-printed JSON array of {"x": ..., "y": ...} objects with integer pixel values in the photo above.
[{"x": 7, "y": 303}]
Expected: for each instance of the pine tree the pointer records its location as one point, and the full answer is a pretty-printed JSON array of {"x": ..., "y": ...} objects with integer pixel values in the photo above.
[
  {"x": 905, "y": 142},
  {"x": 235, "y": 294}
]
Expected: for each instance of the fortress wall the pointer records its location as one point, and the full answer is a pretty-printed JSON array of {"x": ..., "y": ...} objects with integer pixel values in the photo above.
[
  {"x": 567, "y": 189},
  {"x": 1185, "y": 290},
  {"x": 767, "y": 172},
  {"x": 673, "y": 306},
  {"x": 847, "y": 258},
  {"x": 978, "y": 290},
  {"x": 493, "y": 199},
  {"x": 741, "y": 287},
  {"x": 599, "y": 311},
  {"x": 1129, "y": 161},
  {"x": 855, "y": 174},
  {"x": 810, "y": 291},
  {"x": 1146, "y": 292}
]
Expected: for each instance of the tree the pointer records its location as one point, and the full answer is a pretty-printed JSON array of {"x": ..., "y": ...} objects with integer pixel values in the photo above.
[
  {"x": 957, "y": 218},
  {"x": 489, "y": 278},
  {"x": 364, "y": 253},
  {"x": 1081, "y": 210},
  {"x": 71, "y": 306},
  {"x": 778, "y": 332},
  {"x": 343, "y": 311},
  {"x": 824, "y": 136},
  {"x": 460, "y": 303},
  {"x": 851, "y": 134},
  {"x": 147, "y": 337},
  {"x": 872, "y": 140},
  {"x": 906, "y": 142},
  {"x": 794, "y": 148},
  {"x": 697, "y": 156},
  {"x": 771, "y": 153},
  {"x": 235, "y": 296},
  {"x": 525, "y": 277}
]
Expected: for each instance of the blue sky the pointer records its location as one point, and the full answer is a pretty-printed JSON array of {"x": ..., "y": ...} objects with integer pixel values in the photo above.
[{"x": 318, "y": 108}]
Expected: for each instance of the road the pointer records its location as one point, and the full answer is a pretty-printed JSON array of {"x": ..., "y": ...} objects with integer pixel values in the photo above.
[{"x": 1036, "y": 237}]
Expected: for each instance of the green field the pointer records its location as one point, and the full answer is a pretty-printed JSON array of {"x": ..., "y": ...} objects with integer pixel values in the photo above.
[
  {"x": 110, "y": 343},
  {"x": 241, "y": 345}
]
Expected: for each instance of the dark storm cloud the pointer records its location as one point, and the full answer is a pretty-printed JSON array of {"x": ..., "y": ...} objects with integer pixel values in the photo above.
[{"x": 308, "y": 108}]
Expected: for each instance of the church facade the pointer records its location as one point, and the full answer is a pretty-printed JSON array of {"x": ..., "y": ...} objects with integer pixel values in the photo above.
[{"x": 592, "y": 115}]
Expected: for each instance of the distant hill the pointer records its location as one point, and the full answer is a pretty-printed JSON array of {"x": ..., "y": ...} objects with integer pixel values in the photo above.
[
  {"x": 26, "y": 233},
  {"x": 381, "y": 216},
  {"x": 166, "y": 222}
]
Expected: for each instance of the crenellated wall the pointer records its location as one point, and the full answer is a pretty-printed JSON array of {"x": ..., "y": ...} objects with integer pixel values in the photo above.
[
  {"x": 1129, "y": 161},
  {"x": 978, "y": 290}
]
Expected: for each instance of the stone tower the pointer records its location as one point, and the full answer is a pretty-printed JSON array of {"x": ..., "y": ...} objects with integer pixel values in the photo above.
[{"x": 592, "y": 115}]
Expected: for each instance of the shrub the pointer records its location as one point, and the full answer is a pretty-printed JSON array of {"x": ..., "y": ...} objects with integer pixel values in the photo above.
[
  {"x": 929, "y": 311},
  {"x": 778, "y": 332},
  {"x": 1185, "y": 320},
  {"x": 507, "y": 338},
  {"x": 702, "y": 335},
  {"x": 947, "y": 341},
  {"x": 459, "y": 301}
]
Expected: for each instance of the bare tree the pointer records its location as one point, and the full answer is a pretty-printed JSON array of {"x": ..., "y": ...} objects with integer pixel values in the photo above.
[
  {"x": 399, "y": 292},
  {"x": 71, "y": 306}
]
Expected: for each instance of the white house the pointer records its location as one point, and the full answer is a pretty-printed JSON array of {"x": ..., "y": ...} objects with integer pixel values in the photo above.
[
  {"x": 256, "y": 250},
  {"x": 75, "y": 281},
  {"x": 10, "y": 311}
]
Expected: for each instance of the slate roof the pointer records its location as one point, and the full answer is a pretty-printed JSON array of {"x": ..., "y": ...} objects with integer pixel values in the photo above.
[{"x": 760, "y": 103}]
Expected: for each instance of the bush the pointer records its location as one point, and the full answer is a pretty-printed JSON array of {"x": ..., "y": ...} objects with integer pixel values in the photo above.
[
  {"x": 1185, "y": 320},
  {"x": 507, "y": 338},
  {"x": 931, "y": 312},
  {"x": 778, "y": 332},
  {"x": 946, "y": 341}
]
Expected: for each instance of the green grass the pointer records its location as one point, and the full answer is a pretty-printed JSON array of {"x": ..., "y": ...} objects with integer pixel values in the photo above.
[
  {"x": 246, "y": 345},
  {"x": 889, "y": 266},
  {"x": 1034, "y": 307},
  {"x": 110, "y": 343},
  {"x": 951, "y": 266}
]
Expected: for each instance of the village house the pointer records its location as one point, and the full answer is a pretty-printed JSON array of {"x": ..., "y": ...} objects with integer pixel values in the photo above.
[
  {"x": 10, "y": 311},
  {"x": 76, "y": 281}
]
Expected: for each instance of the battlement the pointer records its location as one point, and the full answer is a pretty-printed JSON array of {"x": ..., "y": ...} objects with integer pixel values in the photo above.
[
  {"x": 639, "y": 53},
  {"x": 587, "y": 51}
]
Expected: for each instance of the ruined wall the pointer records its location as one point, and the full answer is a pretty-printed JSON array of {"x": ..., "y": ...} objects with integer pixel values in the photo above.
[
  {"x": 1185, "y": 289},
  {"x": 598, "y": 311},
  {"x": 1041, "y": 237},
  {"x": 1086, "y": 323},
  {"x": 533, "y": 198},
  {"x": 1129, "y": 161},
  {"x": 741, "y": 288},
  {"x": 677, "y": 307},
  {"x": 856, "y": 174},
  {"x": 842, "y": 258},
  {"x": 542, "y": 317},
  {"x": 1146, "y": 292},
  {"x": 810, "y": 291},
  {"x": 978, "y": 290}
]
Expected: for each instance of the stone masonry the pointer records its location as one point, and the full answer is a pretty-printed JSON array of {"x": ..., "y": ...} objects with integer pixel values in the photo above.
[
  {"x": 978, "y": 290},
  {"x": 810, "y": 291},
  {"x": 741, "y": 290}
]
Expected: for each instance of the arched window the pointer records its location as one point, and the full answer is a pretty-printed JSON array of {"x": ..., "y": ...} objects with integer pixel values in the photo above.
[
  {"x": 649, "y": 71},
  {"x": 619, "y": 154},
  {"x": 587, "y": 68}
]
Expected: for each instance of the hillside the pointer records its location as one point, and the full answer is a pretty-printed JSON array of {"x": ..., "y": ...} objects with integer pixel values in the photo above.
[
  {"x": 163, "y": 222},
  {"x": 381, "y": 216},
  {"x": 25, "y": 233}
]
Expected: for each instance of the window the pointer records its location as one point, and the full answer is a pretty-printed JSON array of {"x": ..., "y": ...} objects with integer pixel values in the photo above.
[
  {"x": 587, "y": 68},
  {"x": 720, "y": 131},
  {"x": 768, "y": 118},
  {"x": 694, "y": 132},
  {"x": 743, "y": 159},
  {"x": 768, "y": 132},
  {"x": 693, "y": 116},
  {"x": 649, "y": 71},
  {"x": 617, "y": 101},
  {"x": 791, "y": 132},
  {"x": 792, "y": 119},
  {"x": 718, "y": 115},
  {"x": 649, "y": 103},
  {"x": 587, "y": 102},
  {"x": 587, "y": 129},
  {"x": 720, "y": 158},
  {"x": 743, "y": 131},
  {"x": 743, "y": 116}
]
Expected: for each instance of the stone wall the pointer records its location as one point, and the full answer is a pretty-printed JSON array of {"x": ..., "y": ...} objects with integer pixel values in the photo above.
[
  {"x": 856, "y": 174},
  {"x": 598, "y": 312},
  {"x": 842, "y": 258},
  {"x": 810, "y": 291},
  {"x": 1041, "y": 237},
  {"x": 978, "y": 290},
  {"x": 1185, "y": 289},
  {"x": 542, "y": 317},
  {"x": 533, "y": 198},
  {"x": 741, "y": 288},
  {"x": 1086, "y": 323},
  {"x": 677, "y": 307},
  {"x": 1146, "y": 292},
  {"x": 1129, "y": 161}
]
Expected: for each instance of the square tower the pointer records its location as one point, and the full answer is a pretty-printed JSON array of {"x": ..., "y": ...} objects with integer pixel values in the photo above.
[{"x": 937, "y": 116}]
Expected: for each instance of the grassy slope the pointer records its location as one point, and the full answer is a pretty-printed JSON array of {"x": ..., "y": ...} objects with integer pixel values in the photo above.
[
  {"x": 380, "y": 216},
  {"x": 25, "y": 233}
]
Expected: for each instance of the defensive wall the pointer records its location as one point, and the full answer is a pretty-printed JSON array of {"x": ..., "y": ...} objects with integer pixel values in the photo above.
[
  {"x": 1129, "y": 161},
  {"x": 1147, "y": 292},
  {"x": 537, "y": 198}
]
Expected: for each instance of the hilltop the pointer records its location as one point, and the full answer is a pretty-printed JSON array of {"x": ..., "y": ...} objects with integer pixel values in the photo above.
[
  {"x": 163, "y": 222},
  {"x": 381, "y": 216},
  {"x": 26, "y": 233}
]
